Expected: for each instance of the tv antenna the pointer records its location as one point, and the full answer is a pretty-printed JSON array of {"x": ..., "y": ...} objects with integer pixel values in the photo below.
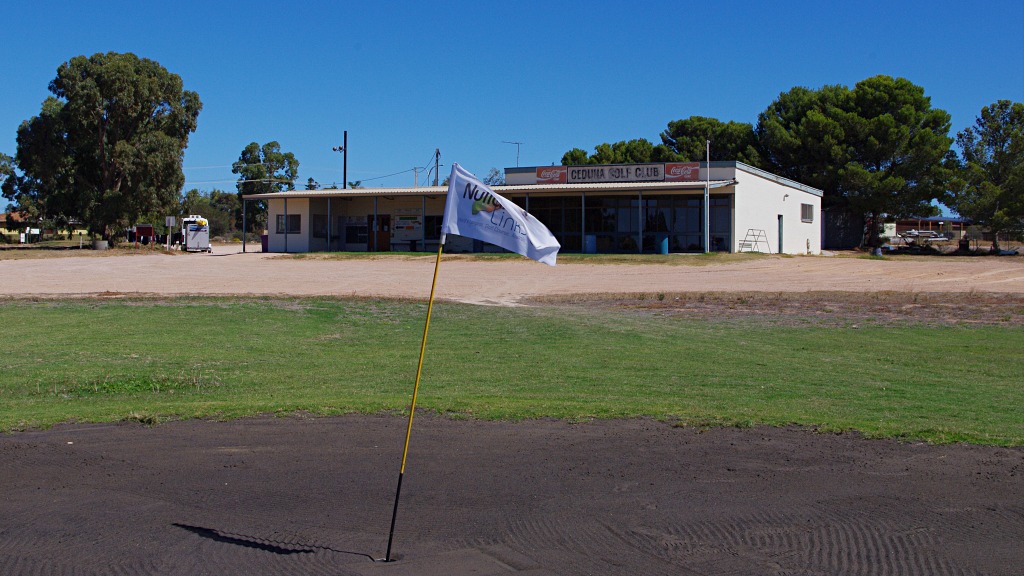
[{"x": 518, "y": 144}]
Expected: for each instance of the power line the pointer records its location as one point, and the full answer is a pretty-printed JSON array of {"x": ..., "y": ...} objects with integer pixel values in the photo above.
[
  {"x": 206, "y": 167},
  {"x": 430, "y": 161},
  {"x": 222, "y": 166},
  {"x": 429, "y": 164},
  {"x": 193, "y": 182},
  {"x": 387, "y": 175}
]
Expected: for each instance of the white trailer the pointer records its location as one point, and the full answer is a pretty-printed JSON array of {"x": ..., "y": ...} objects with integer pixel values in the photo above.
[{"x": 195, "y": 234}]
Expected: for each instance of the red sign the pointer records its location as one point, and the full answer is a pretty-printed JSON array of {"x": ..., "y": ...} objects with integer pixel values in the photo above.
[
  {"x": 551, "y": 175},
  {"x": 682, "y": 171}
]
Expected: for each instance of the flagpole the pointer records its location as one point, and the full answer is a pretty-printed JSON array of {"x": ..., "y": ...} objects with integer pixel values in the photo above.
[
  {"x": 415, "y": 391},
  {"x": 707, "y": 202}
]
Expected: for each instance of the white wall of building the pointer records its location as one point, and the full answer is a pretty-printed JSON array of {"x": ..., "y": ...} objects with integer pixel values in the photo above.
[
  {"x": 758, "y": 205},
  {"x": 297, "y": 241}
]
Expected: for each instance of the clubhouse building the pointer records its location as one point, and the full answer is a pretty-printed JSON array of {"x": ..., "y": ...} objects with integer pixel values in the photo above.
[{"x": 608, "y": 209}]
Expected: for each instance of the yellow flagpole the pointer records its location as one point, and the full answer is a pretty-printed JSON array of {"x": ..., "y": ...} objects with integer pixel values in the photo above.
[{"x": 415, "y": 392}]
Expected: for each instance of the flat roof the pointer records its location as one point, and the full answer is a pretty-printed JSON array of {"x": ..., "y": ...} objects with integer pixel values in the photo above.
[{"x": 504, "y": 189}]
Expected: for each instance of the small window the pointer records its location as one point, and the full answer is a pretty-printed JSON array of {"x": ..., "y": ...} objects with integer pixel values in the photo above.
[
  {"x": 319, "y": 226},
  {"x": 294, "y": 223},
  {"x": 432, "y": 227},
  {"x": 807, "y": 213},
  {"x": 356, "y": 234}
]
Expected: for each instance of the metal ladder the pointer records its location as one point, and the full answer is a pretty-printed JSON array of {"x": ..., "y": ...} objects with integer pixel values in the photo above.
[{"x": 753, "y": 240}]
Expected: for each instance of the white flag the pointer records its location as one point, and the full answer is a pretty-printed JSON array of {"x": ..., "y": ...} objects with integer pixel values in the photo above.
[{"x": 474, "y": 210}]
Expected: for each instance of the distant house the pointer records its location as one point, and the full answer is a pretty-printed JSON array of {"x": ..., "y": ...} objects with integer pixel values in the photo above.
[
  {"x": 955, "y": 225},
  {"x": 10, "y": 224}
]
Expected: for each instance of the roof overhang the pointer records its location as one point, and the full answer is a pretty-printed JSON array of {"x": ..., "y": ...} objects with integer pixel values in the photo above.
[{"x": 560, "y": 189}]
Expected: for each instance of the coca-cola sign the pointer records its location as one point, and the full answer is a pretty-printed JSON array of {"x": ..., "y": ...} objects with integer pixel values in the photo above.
[
  {"x": 682, "y": 171},
  {"x": 551, "y": 175}
]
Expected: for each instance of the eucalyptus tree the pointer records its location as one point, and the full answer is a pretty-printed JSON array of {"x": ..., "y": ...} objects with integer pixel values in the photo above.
[
  {"x": 107, "y": 146},
  {"x": 262, "y": 170}
]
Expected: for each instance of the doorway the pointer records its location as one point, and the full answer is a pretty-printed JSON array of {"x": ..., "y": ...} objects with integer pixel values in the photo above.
[
  {"x": 380, "y": 240},
  {"x": 780, "y": 234}
]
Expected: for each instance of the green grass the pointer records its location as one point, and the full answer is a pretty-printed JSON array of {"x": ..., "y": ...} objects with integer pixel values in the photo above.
[{"x": 150, "y": 360}]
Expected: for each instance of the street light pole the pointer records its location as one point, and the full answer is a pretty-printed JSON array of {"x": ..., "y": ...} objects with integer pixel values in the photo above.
[{"x": 344, "y": 150}]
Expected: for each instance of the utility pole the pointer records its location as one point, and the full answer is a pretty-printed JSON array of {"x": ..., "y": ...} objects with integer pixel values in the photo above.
[
  {"x": 517, "y": 149},
  {"x": 437, "y": 163},
  {"x": 344, "y": 150}
]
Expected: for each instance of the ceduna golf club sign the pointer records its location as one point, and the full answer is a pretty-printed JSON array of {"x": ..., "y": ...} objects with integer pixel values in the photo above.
[{"x": 668, "y": 172}]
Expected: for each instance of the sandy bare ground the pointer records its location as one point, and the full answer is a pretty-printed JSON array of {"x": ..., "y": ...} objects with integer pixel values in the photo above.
[
  {"x": 302, "y": 495},
  {"x": 227, "y": 271},
  {"x": 314, "y": 496}
]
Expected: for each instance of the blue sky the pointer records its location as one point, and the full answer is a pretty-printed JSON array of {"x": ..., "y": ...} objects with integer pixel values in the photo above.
[{"x": 405, "y": 78}]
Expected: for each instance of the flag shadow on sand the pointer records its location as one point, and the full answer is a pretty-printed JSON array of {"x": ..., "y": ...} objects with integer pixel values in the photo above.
[{"x": 273, "y": 547}]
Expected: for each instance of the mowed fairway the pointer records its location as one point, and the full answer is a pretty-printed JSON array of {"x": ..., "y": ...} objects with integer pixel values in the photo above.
[{"x": 154, "y": 359}]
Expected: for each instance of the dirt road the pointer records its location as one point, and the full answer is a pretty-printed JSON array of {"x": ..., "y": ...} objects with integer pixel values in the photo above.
[{"x": 228, "y": 271}]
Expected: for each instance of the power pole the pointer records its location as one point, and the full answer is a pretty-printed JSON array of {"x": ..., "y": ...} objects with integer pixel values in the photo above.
[
  {"x": 437, "y": 163},
  {"x": 344, "y": 150}
]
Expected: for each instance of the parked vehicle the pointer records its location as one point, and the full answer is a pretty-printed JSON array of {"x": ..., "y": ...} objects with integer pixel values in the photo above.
[{"x": 195, "y": 234}]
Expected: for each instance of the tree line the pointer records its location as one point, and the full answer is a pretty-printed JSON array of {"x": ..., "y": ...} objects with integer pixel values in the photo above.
[
  {"x": 878, "y": 150},
  {"x": 106, "y": 150},
  {"x": 106, "y": 147}
]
